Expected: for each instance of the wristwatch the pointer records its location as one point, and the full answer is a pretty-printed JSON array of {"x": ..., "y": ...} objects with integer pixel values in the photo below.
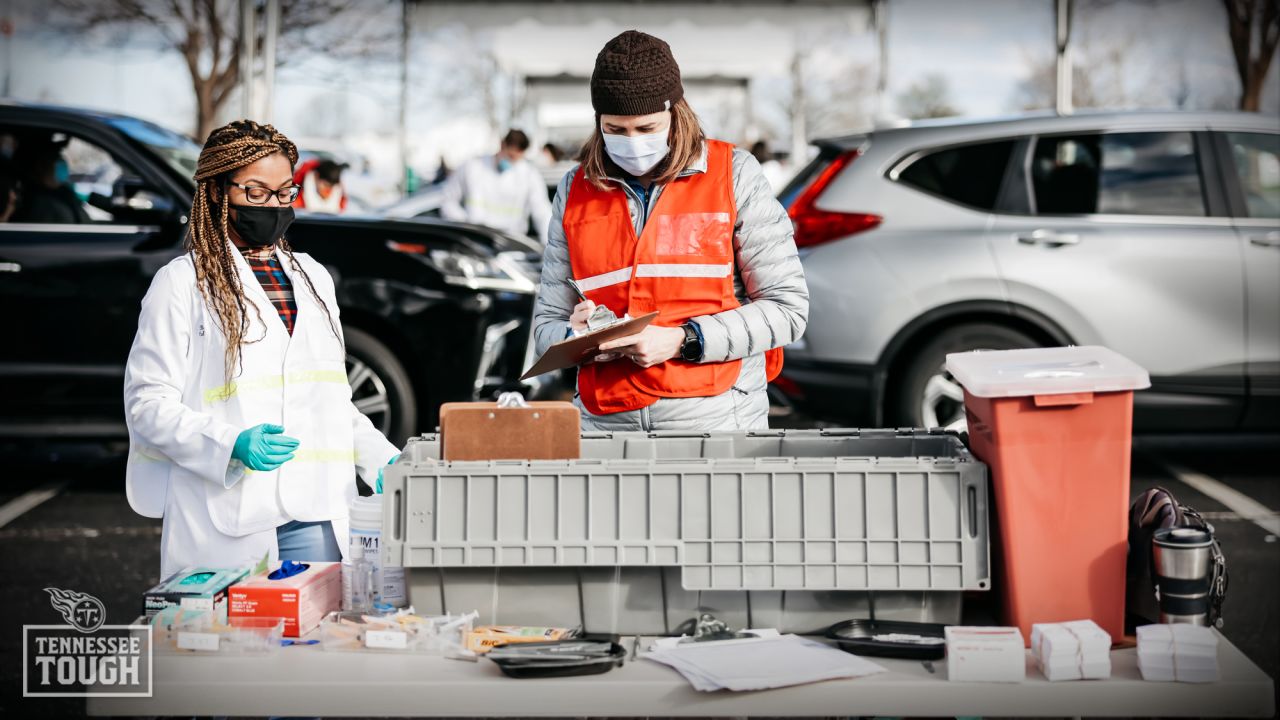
[{"x": 691, "y": 348}]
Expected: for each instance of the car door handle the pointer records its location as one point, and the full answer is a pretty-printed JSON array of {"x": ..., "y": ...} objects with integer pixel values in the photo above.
[
  {"x": 1048, "y": 238},
  {"x": 1271, "y": 239},
  {"x": 10, "y": 267}
]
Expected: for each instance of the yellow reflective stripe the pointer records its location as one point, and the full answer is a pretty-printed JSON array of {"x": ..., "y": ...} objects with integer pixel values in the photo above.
[
  {"x": 273, "y": 382},
  {"x": 324, "y": 456},
  {"x": 319, "y": 456},
  {"x": 146, "y": 455},
  {"x": 225, "y": 392},
  {"x": 318, "y": 376}
]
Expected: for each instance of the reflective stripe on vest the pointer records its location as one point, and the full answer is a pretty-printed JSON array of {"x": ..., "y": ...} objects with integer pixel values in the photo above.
[{"x": 681, "y": 265}]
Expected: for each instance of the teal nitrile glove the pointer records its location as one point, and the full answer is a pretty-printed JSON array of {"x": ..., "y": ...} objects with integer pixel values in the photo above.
[
  {"x": 263, "y": 448},
  {"x": 378, "y": 489}
]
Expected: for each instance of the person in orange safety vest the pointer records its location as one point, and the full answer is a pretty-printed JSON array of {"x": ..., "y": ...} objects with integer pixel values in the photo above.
[{"x": 658, "y": 217}]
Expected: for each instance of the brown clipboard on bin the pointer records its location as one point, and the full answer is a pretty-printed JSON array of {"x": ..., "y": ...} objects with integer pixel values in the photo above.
[{"x": 572, "y": 351}]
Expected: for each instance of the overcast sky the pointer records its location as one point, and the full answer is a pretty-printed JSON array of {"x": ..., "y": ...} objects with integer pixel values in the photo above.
[{"x": 984, "y": 49}]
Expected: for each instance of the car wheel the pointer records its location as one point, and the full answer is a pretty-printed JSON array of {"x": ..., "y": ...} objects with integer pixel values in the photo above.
[
  {"x": 380, "y": 387},
  {"x": 923, "y": 393}
]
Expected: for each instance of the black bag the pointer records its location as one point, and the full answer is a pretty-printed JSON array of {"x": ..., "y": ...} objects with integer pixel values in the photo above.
[{"x": 1152, "y": 510}]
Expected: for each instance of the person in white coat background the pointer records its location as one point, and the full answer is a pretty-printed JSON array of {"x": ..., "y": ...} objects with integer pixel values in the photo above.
[
  {"x": 242, "y": 433},
  {"x": 503, "y": 191}
]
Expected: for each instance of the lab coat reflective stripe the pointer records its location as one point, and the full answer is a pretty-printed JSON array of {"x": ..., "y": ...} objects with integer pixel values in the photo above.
[
  {"x": 223, "y": 393},
  {"x": 676, "y": 270}
]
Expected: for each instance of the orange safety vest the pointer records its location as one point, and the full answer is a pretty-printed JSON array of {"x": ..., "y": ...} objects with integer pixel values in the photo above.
[{"x": 682, "y": 265}]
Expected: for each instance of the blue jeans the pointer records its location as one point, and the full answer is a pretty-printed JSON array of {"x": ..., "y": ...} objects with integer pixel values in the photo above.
[{"x": 308, "y": 542}]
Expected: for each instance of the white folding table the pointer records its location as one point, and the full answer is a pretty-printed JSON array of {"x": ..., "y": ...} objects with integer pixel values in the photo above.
[{"x": 308, "y": 681}]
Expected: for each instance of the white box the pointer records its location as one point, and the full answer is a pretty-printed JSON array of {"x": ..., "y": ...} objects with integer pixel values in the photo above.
[{"x": 985, "y": 654}]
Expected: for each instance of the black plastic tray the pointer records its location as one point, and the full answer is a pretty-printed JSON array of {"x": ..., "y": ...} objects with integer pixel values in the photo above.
[
  {"x": 858, "y": 637},
  {"x": 526, "y": 669}
]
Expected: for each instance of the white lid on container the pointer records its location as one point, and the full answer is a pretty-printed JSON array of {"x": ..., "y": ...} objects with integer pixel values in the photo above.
[
  {"x": 1046, "y": 371},
  {"x": 366, "y": 512}
]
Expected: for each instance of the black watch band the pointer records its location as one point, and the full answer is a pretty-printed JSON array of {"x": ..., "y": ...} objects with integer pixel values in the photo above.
[{"x": 691, "y": 348}]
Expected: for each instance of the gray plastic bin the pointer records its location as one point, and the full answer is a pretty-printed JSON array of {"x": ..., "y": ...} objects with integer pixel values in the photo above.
[{"x": 649, "y": 527}]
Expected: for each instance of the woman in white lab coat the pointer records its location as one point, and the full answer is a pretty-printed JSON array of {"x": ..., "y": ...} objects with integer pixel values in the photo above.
[{"x": 242, "y": 432}]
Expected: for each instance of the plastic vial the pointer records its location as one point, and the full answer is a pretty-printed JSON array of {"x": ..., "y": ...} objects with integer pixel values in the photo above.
[{"x": 363, "y": 585}]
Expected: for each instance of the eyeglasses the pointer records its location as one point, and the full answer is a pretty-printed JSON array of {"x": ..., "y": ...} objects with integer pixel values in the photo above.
[{"x": 259, "y": 195}]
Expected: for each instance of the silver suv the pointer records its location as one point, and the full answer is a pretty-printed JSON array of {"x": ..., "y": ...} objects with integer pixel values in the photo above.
[{"x": 1153, "y": 233}]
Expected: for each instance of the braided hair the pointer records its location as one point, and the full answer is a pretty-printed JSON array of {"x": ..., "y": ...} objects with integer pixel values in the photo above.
[{"x": 228, "y": 149}]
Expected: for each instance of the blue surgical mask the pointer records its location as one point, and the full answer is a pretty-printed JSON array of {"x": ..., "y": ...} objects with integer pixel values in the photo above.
[
  {"x": 61, "y": 172},
  {"x": 637, "y": 154},
  {"x": 503, "y": 164}
]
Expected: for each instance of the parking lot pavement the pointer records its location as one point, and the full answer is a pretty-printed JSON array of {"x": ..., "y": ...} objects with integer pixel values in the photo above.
[{"x": 85, "y": 537}]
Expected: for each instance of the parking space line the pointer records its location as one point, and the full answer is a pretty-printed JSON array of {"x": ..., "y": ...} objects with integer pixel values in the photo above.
[
  {"x": 1239, "y": 503},
  {"x": 30, "y": 500}
]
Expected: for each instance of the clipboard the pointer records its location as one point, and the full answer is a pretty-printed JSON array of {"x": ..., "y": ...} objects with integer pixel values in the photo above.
[{"x": 572, "y": 351}]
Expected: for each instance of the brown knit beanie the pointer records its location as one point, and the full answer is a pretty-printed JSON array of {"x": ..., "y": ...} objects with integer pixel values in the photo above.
[{"x": 635, "y": 75}]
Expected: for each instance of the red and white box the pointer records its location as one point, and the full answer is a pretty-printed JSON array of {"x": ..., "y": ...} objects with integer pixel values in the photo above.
[
  {"x": 985, "y": 654},
  {"x": 302, "y": 599}
]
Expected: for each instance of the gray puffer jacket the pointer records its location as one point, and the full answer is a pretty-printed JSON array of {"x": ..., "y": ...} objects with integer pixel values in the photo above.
[{"x": 768, "y": 281}]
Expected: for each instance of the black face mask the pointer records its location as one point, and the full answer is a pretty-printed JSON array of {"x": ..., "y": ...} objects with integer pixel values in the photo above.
[{"x": 259, "y": 226}]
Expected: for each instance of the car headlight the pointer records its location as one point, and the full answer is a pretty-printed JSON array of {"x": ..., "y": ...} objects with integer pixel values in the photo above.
[{"x": 503, "y": 272}]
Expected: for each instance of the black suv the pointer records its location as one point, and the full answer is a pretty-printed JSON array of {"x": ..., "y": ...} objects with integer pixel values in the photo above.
[{"x": 432, "y": 311}]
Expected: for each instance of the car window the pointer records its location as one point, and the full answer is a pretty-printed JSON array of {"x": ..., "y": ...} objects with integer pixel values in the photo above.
[
  {"x": 1257, "y": 160},
  {"x": 59, "y": 178},
  {"x": 969, "y": 175},
  {"x": 1148, "y": 173}
]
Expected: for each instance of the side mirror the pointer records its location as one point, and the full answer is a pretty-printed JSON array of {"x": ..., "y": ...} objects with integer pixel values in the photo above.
[{"x": 131, "y": 196}]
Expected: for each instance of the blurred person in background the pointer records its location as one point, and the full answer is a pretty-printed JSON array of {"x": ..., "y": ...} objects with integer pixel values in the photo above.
[
  {"x": 8, "y": 192},
  {"x": 551, "y": 154},
  {"x": 769, "y": 165},
  {"x": 47, "y": 194},
  {"x": 322, "y": 189},
  {"x": 239, "y": 342},
  {"x": 502, "y": 191},
  {"x": 659, "y": 217}
]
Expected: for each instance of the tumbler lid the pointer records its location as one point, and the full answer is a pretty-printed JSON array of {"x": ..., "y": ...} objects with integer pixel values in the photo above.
[{"x": 1182, "y": 537}]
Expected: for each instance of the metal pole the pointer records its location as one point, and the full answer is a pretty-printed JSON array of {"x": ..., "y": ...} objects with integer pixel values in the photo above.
[
  {"x": 403, "y": 129},
  {"x": 6, "y": 29},
  {"x": 272, "y": 32},
  {"x": 880, "y": 18},
  {"x": 248, "y": 36},
  {"x": 799, "y": 131},
  {"x": 1063, "y": 25}
]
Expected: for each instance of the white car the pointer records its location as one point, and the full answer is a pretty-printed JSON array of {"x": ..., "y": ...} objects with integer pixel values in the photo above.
[{"x": 1156, "y": 234}]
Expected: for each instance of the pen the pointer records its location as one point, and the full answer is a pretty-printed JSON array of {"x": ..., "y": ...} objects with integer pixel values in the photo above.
[{"x": 581, "y": 296}]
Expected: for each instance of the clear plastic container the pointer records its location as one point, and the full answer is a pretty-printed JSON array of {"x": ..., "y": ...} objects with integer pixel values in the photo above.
[
  {"x": 399, "y": 632},
  {"x": 180, "y": 632}
]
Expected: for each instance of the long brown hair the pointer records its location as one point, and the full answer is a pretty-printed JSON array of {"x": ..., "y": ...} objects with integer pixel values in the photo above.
[
  {"x": 228, "y": 149},
  {"x": 685, "y": 141}
]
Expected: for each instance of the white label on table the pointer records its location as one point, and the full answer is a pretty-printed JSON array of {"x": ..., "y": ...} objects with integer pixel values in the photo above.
[
  {"x": 389, "y": 639},
  {"x": 198, "y": 641},
  {"x": 196, "y": 604}
]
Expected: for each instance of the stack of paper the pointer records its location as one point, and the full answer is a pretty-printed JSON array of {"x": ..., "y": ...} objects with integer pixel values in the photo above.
[
  {"x": 759, "y": 663},
  {"x": 1077, "y": 650},
  {"x": 1182, "y": 653}
]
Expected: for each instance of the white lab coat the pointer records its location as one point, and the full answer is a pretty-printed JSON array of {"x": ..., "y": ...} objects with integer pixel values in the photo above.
[
  {"x": 478, "y": 193},
  {"x": 183, "y": 420}
]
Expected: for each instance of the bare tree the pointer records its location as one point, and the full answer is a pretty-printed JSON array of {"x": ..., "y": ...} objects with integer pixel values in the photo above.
[
  {"x": 928, "y": 97},
  {"x": 207, "y": 36},
  {"x": 1254, "y": 26}
]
